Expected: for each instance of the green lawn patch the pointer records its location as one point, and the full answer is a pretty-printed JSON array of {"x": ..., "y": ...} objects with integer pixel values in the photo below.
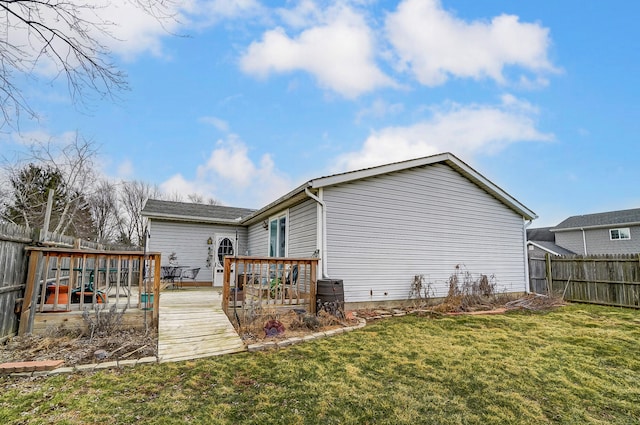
[{"x": 575, "y": 365}]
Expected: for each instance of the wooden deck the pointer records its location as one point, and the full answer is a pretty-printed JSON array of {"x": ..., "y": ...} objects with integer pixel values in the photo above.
[{"x": 192, "y": 325}]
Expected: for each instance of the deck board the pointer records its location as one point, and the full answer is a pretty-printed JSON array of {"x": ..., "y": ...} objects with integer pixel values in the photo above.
[{"x": 192, "y": 325}]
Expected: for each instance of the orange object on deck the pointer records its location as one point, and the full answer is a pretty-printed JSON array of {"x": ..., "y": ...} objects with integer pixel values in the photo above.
[{"x": 63, "y": 295}]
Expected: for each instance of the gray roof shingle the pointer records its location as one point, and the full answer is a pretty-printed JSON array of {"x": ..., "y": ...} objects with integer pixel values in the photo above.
[
  {"x": 552, "y": 247},
  {"x": 541, "y": 234},
  {"x": 184, "y": 210},
  {"x": 615, "y": 218}
]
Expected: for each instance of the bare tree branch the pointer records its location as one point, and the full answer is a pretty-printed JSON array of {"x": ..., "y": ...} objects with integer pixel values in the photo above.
[{"x": 62, "y": 36}]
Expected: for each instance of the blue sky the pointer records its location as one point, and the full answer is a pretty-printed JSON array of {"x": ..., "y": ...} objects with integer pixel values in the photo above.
[{"x": 252, "y": 98}]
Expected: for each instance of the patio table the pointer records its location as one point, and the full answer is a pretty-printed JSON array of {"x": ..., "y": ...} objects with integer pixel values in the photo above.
[{"x": 171, "y": 273}]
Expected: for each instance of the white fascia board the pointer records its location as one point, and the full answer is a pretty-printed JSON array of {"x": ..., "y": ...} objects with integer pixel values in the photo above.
[
  {"x": 543, "y": 248},
  {"x": 447, "y": 158},
  {"x": 172, "y": 217},
  {"x": 376, "y": 171},
  {"x": 599, "y": 226},
  {"x": 279, "y": 204},
  {"x": 492, "y": 188}
]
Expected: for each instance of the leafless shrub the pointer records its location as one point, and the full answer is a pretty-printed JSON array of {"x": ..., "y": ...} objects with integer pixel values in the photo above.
[
  {"x": 467, "y": 292},
  {"x": 102, "y": 322},
  {"x": 421, "y": 291},
  {"x": 536, "y": 302}
]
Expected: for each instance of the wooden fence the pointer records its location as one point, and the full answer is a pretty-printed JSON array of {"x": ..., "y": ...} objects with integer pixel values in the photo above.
[
  {"x": 13, "y": 268},
  {"x": 604, "y": 279}
]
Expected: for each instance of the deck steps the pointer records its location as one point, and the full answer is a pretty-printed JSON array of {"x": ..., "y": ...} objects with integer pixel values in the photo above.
[{"x": 192, "y": 325}]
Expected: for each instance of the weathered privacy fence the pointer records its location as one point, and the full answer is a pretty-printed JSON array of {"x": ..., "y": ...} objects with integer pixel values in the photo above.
[
  {"x": 13, "y": 268},
  {"x": 604, "y": 279}
]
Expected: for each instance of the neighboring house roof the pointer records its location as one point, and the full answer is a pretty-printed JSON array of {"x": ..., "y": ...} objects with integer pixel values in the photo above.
[
  {"x": 550, "y": 247},
  {"x": 446, "y": 158},
  {"x": 541, "y": 234},
  {"x": 183, "y": 211},
  {"x": 605, "y": 219}
]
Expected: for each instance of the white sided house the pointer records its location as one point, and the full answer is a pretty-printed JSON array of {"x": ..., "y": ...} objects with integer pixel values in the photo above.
[
  {"x": 377, "y": 228},
  {"x": 199, "y": 235}
]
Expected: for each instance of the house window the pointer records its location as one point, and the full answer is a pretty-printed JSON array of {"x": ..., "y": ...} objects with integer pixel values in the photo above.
[
  {"x": 619, "y": 234},
  {"x": 278, "y": 236}
]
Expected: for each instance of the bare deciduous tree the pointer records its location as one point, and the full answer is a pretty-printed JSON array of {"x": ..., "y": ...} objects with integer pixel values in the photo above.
[
  {"x": 75, "y": 163},
  {"x": 196, "y": 198},
  {"x": 133, "y": 195},
  {"x": 68, "y": 169},
  {"x": 103, "y": 205},
  {"x": 63, "y": 38}
]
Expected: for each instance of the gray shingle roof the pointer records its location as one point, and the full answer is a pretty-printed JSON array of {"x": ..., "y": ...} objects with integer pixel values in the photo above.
[
  {"x": 541, "y": 234},
  {"x": 185, "y": 210},
  {"x": 600, "y": 219},
  {"x": 552, "y": 247}
]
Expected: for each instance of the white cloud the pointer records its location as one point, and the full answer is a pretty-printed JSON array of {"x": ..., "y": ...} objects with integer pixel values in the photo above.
[
  {"x": 33, "y": 137},
  {"x": 338, "y": 52},
  {"x": 125, "y": 28},
  {"x": 233, "y": 177},
  {"x": 435, "y": 45},
  {"x": 213, "y": 11},
  {"x": 305, "y": 14},
  {"x": 125, "y": 169},
  {"x": 218, "y": 123},
  {"x": 462, "y": 130}
]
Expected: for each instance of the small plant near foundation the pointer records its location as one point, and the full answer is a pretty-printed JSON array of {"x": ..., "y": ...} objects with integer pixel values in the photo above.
[
  {"x": 421, "y": 291},
  {"x": 102, "y": 322},
  {"x": 467, "y": 292}
]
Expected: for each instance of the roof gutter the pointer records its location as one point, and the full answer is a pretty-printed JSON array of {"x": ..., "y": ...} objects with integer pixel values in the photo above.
[
  {"x": 323, "y": 225},
  {"x": 597, "y": 226},
  {"x": 584, "y": 241},
  {"x": 173, "y": 217},
  {"x": 527, "y": 281}
]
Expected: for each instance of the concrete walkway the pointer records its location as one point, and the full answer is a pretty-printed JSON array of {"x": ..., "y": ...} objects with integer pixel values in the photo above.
[{"x": 192, "y": 325}]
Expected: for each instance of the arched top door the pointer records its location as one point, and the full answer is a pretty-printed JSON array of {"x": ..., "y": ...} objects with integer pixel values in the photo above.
[{"x": 225, "y": 247}]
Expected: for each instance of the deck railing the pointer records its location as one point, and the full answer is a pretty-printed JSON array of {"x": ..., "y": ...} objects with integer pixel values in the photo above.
[
  {"x": 62, "y": 280},
  {"x": 267, "y": 282}
]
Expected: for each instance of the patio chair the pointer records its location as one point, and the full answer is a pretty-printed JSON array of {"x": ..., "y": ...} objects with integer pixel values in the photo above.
[
  {"x": 189, "y": 274},
  {"x": 113, "y": 281},
  {"x": 169, "y": 274},
  {"x": 291, "y": 280}
]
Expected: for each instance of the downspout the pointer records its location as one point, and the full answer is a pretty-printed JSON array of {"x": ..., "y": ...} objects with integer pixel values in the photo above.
[
  {"x": 323, "y": 249},
  {"x": 526, "y": 223},
  {"x": 584, "y": 241}
]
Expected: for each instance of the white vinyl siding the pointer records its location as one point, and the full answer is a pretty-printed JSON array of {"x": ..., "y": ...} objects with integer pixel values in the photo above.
[
  {"x": 599, "y": 241},
  {"x": 384, "y": 230},
  {"x": 258, "y": 240},
  {"x": 189, "y": 242},
  {"x": 303, "y": 224},
  {"x": 301, "y": 228}
]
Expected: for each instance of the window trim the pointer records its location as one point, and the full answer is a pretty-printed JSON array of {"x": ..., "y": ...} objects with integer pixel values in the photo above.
[
  {"x": 626, "y": 231},
  {"x": 284, "y": 214}
]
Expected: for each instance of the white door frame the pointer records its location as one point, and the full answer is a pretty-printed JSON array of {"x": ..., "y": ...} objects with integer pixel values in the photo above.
[{"x": 218, "y": 268}]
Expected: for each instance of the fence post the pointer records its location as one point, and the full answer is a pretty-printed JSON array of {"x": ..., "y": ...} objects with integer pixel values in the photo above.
[
  {"x": 29, "y": 293},
  {"x": 226, "y": 284},
  {"x": 547, "y": 259}
]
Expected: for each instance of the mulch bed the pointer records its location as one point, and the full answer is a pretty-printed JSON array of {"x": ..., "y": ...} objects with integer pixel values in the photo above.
[{"x": 76, "y": 350}]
